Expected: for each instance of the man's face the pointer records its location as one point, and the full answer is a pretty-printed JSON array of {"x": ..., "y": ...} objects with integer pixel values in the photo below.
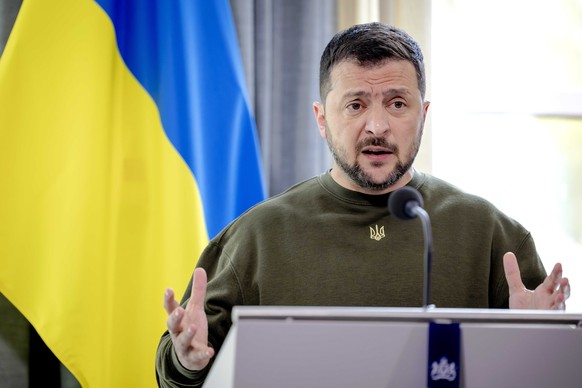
[{"x": 372, "y": 120}]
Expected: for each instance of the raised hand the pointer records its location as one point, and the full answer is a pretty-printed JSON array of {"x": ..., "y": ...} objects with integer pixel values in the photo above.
[
  {"x": 550, "y": 295},
  {"x": 189, "y": 327}
]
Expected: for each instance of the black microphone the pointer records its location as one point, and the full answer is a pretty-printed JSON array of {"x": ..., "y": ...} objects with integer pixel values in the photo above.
[{"x": 406, "y": 203}]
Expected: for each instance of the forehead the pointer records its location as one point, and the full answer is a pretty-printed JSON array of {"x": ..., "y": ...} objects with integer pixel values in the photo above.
[{"x": 391, "y": 74}]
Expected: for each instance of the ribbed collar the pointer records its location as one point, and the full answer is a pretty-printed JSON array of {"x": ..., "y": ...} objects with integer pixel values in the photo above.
[{"x": 358, "y": 198}]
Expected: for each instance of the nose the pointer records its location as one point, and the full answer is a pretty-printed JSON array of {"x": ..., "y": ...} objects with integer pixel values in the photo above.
[{"x": 377, "y": 123}]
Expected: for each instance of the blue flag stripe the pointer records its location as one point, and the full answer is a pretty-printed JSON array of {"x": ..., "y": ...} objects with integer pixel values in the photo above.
[{"x": 185, "y": 54}]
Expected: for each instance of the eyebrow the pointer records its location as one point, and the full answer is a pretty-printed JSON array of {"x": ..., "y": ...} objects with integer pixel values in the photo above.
[{"x": 388, "y": 93}]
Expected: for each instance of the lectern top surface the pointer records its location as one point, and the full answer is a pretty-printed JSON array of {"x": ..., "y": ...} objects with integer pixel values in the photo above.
[{"x": 404, "y": 314}]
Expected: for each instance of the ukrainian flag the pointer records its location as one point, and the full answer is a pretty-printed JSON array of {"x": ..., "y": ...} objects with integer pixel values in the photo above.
[{"x": 125, "y": 143}]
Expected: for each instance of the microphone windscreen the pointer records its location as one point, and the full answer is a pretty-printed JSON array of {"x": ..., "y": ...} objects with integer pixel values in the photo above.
[{"x": 398, "y": 200}]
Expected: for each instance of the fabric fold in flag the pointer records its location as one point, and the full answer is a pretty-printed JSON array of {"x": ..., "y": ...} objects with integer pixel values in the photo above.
[
  {"x": 117, "y": 162},
  {"x": 185, "y": 54}
]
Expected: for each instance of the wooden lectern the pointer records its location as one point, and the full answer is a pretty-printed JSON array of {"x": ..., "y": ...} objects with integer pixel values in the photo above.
[{"x": 345, "y": 347}]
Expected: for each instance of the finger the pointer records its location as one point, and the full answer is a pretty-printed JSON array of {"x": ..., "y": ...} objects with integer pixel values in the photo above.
[
  {"x": 512, "y": 273},
  {"x": 170, "y": 303},
  {"x": 183, "y": 341},
  {"x": 553, "y": 280},
  {"x": 187, "y": 347},
  {"x": 559, "y": 303},
  {"x": 174, "y": 322},
  {"x": 560, "y": 295},
  {"x": 565, "y": 288},
  {"x": 198, "y": 293}
]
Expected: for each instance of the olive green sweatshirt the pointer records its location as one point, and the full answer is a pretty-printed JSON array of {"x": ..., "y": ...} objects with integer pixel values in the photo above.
[{"x": 319, "y": 244}]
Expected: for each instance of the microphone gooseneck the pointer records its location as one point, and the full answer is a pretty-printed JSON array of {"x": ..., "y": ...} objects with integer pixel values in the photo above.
[{"x": 406, "y": 204}]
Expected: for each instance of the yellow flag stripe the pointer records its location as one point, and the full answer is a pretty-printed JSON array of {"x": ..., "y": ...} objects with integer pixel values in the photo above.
[{"x": 98, "y": 212}]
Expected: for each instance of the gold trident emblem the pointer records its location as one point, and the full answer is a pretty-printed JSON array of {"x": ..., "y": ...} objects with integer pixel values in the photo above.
[{"x": 376, "y": 234}]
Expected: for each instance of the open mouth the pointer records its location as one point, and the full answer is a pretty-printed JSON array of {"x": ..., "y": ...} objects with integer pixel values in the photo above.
[{"x": 377, "y": 151}]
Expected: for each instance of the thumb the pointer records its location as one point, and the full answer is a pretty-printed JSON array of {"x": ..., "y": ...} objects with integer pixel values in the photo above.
[{"x": 512, "y": 274}]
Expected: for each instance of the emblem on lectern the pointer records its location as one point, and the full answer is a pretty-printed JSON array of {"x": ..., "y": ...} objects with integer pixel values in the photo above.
[{"x": 443, "y": 370}]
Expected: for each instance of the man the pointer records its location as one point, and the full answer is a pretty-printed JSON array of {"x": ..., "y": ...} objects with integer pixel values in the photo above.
[{"x": 329, "y": 241}]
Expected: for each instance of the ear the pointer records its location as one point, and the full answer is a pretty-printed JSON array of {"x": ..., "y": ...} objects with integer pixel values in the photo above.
[
  {"x": 319, "y": 113},
  {"x": 425, "y": 108}
]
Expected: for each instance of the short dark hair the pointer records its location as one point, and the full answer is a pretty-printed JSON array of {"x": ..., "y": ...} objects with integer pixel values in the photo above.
[{"x": 369, "y": 45}]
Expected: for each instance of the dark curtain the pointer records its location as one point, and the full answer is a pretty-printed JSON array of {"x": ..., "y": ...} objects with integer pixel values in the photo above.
[{"x": 281, "y": 43}]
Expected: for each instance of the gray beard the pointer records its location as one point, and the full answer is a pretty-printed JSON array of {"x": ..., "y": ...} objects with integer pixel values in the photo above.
[{"x": 359, "y": 176}]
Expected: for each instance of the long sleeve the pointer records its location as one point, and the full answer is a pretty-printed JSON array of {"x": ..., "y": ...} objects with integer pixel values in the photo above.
[{"x": 170, "y": 373}]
